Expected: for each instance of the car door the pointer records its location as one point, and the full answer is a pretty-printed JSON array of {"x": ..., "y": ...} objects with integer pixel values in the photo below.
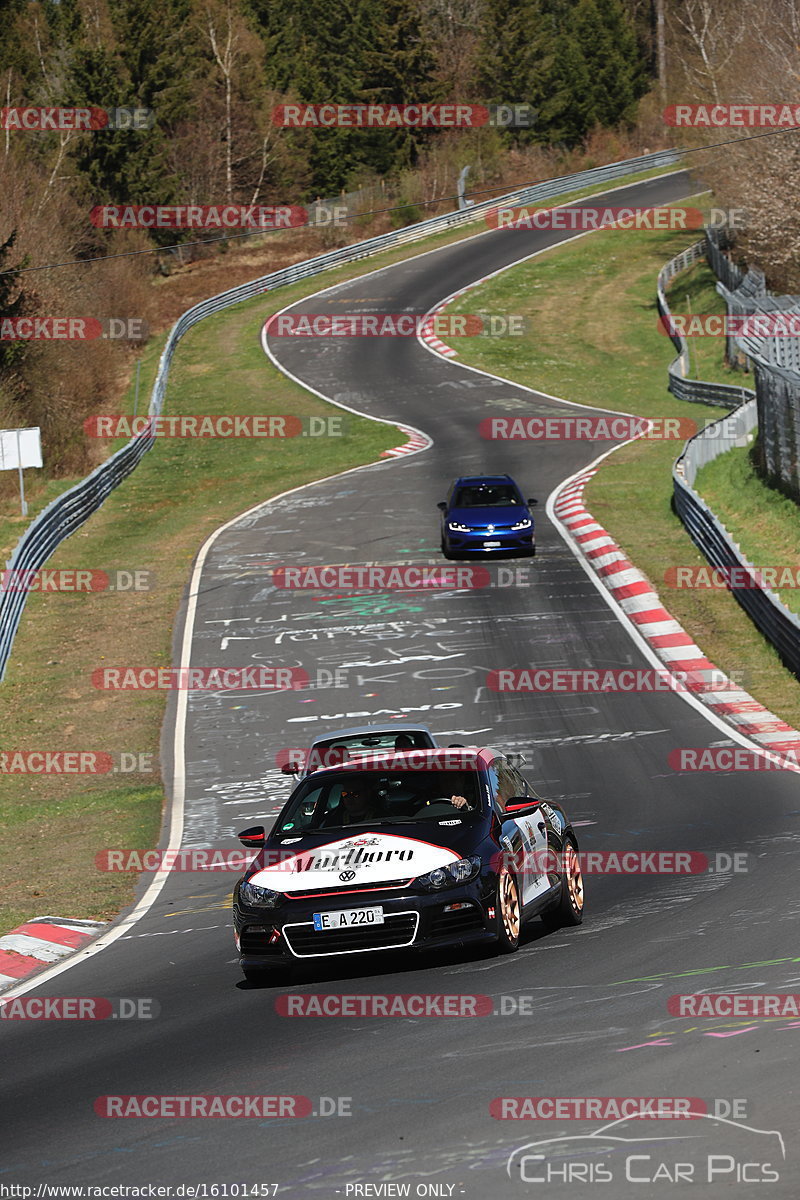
[{"x": 523, "y": 833}]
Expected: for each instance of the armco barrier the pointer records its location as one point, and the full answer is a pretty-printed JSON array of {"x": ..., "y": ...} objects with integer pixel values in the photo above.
[
  {"x": 69, "y": 511},
  {"x": 698, "y": 391},
  {"x": 770, "y": 615},
  {"x": 778, "y": 624}
]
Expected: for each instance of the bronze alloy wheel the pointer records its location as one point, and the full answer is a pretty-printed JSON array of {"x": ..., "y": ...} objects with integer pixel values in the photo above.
[
  {"x": 574, "y": 878},
  {"x": 509, "y": 906}
]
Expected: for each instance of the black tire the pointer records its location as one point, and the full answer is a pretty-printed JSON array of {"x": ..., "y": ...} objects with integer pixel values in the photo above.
[
  {"x": 445, "y": 552},
  {"x": 263, "y": 976},
  {"x": 509, "y": 913},
  {"x": 570, "y": 906},
  {"x": 255, "y": 975}
]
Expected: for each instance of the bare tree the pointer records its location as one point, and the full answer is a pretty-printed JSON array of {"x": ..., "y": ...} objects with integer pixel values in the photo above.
[
  {"x": 453, "y": 27},
  {"x": 706, "y": 37},
  {"x": 224, "y": 41},
  {"x": 661, "y": 52}
]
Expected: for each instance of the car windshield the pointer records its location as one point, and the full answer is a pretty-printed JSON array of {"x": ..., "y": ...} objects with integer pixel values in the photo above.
[
  {"x": 409, "y": 739},
  {"x": 487, "y": 496},
  {"x": 378, "y": 797}
]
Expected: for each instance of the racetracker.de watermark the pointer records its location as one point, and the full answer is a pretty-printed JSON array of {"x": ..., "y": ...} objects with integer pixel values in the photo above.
[
  {"x": 735, "y": 1004},
  {"x": 79, "y": 1008},
  {"x": 574, "y": 680},
  {"x": 73, "y": 329},
  {"x": 216, "y": 425},
  {"x": 735, "y": 758},
  {"x": 358, "y": 325},
  {"x": 76, "y": 762},
  {"x": 198, "y": 216},
  {"x": 76, "y": 580},
  {"x": 365, "y": 759},
  {"x": 397, "y": 577},
  {"x": 731, "y": 578},
  {"x": 607, "y": 428},
  {"x": 403, "y": 116},
  {"x": 759, "y": 325},
  {"x": 236, "y": 1106},
  {"x": 189, "y": 861},
  {"x": 778, "y": 115},
  {"x": 48, "y": 119},
  {"x": 199, "y": 678},
  {"x": 585, "y": 218},
  {"x": 625, "y": 862},
  {"x": 596, "y": 1108}
]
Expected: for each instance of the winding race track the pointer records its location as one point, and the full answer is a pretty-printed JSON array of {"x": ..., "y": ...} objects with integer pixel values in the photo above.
[{"x": 581, "y": 1013}]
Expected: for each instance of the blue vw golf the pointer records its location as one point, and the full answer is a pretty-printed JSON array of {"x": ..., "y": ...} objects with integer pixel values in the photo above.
[{"x": 487, "y": 514}]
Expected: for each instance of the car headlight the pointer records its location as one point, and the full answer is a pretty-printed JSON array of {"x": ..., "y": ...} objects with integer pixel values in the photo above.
[
  {"x": 259, "y": 897},
  {"x": 522, "y": 525},
  {"x": 458, "y": 528},
  {"x": 454, "y": 873}
]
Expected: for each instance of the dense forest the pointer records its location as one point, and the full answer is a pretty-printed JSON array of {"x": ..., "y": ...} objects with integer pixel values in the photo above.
[
  {"x": 213, "y": 70},
  {"x": 212, "y": 73}
]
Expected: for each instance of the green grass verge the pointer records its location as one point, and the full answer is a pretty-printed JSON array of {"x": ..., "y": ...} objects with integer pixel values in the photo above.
[
  {"x": 592, "y": 337},
  {"x": 694, "y": 291},
  {"x": 156, "y": 521},
  {"x": 764, "y": 523}
]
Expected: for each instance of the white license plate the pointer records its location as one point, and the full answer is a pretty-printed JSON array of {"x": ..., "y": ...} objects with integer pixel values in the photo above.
[
  {"x": 348, "y": 918},
  {"x": 490, "y": 545}
]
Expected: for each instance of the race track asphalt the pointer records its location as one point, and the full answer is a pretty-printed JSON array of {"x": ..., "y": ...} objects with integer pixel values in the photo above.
[{"x": 586, "y": 1009}]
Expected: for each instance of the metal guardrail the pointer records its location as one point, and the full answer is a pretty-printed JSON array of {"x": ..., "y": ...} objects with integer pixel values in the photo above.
[
  {"x": 775, "y": 361},
  {"x": 770, "y": 615},
  {"x": 697, "y": 391},
  {"x": 72, "y": 508}
]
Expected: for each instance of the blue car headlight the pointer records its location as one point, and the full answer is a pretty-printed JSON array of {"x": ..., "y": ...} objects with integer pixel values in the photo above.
[
  {"x": 455, "y": 527},
  {"x": 462, "y": 871},
  {"x": 259, "y": 897},
  {"x": 522, "y": 524}
]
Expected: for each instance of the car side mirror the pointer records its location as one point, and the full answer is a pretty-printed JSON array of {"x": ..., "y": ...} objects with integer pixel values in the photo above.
[
  {"x": 290, "y": 768},
  {"x": 254, "y": 837},
  {"x": 518, "y": 805},
  {"x": 533, "y": 501},
  {"x": 442, "y": 506}
]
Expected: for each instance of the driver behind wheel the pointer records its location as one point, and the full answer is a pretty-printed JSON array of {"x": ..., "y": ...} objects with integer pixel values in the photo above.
[
  {"x": 453, "y": 789},
  {"x": 357, "y": 805}
]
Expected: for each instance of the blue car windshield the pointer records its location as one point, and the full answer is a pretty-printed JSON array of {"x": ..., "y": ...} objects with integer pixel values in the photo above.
[{"x": 497, "y": 496}]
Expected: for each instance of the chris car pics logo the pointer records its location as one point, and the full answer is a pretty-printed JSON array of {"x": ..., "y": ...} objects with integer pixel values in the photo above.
[{"x": 714, "y": 1150}]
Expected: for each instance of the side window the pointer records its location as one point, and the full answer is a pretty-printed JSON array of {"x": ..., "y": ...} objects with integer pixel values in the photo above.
[
  {"x": 301, "y": 815},
  {"x": 520, "y": 786},
  {"x": 504, "y": 785}
]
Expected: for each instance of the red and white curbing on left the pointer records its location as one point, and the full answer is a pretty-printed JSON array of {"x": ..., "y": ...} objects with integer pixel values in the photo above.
[
  {"x": 416, "y": 441},
  {"x": 641, "y": 604},
  {"x": 40, "y": 943}
]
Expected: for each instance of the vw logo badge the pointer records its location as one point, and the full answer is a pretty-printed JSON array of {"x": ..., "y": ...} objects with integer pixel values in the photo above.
[
  {"x": 346, "y": 876},
  {"x": 491, "y": 529}
]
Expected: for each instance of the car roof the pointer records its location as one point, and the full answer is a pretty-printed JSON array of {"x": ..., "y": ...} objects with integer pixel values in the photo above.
[
  {"x": 478, "y": 479},
  {"x": 480, "y": 754},
  {"x": 389, "y": 727}
]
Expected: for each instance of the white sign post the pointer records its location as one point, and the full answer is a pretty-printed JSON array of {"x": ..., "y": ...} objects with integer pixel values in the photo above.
[{"x": 20, "y": 448}]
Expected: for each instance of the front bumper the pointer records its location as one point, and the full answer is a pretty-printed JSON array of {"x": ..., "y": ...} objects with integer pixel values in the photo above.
[
  {"x": 491, "y": 543},
  {"x": 452, "y": 917}
]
